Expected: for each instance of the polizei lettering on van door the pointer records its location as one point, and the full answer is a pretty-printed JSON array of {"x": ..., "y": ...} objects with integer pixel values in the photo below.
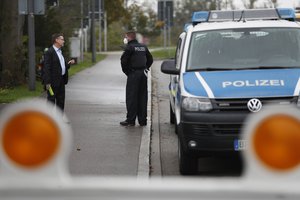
[{"x": 255, "y": 83}]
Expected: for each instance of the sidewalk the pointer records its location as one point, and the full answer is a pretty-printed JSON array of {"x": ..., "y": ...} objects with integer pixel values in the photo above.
[{"x": 95, "y": 104}]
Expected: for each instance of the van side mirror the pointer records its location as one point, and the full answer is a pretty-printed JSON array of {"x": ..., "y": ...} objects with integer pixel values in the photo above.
[{"x": 169, "y": 67}]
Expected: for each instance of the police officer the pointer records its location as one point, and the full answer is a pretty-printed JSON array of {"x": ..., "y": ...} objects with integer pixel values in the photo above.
[{"x": 135, "y": 61}]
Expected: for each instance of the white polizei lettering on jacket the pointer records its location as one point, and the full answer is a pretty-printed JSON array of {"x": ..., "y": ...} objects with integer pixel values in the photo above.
[
  {"x": 297, "y": 88},
  {"x": 139, "y": 48},
  {"x": 205, "y": 85},
  {"x": 255, "y": 83}
]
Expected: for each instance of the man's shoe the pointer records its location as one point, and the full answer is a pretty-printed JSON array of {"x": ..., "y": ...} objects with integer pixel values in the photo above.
[
  {"x": 126, "y": 123},
  {"x": 143, "y": 124}
]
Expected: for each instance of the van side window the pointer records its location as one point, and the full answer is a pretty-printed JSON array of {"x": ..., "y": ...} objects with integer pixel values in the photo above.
[{"x": 178, "y": 53}]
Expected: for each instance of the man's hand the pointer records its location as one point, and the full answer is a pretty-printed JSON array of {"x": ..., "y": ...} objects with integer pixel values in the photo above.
[
  {"x": 71, "y": 62},
  {"x": 146, "y": 72},
  {"x": 48, "y": 86}
]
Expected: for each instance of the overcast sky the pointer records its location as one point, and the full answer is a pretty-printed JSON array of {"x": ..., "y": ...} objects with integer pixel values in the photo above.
[{"x": 282, "y": 3}]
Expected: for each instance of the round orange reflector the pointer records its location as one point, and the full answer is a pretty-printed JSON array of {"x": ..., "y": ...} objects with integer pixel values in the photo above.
[
  {"x": 30, "y": 138},
  {"x": 276, "y": 141}
]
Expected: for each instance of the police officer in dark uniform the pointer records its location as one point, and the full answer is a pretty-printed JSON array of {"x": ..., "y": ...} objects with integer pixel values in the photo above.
[{"x": 135, "y": 61}]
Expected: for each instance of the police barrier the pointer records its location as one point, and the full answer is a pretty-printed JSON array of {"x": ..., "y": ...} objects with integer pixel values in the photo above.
[{"x": 35, "y": 145}]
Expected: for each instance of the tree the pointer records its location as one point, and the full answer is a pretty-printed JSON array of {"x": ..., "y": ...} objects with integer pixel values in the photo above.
[
  {"x": 13, "y": 64},
  {"x": 11, "y": 48},
  {"x": 249, "y": 4},
  {"x": 184, "y": 10},
  {"x": 114, "y": 9}
]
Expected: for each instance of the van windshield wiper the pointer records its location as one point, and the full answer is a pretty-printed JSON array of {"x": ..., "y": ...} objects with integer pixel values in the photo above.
[
  {"x": 240, "y": 68},
  {"x": 270, "y": 67},
  {"x": 210, "y": 69}
]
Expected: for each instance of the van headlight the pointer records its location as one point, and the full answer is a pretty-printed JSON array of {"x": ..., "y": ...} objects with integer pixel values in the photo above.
[{"x": 196, "y": 104}]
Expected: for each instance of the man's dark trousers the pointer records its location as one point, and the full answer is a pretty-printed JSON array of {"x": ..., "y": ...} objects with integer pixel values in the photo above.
[
  {"x": 136, "y": 96},
  {"x": 59, "y": 95}
]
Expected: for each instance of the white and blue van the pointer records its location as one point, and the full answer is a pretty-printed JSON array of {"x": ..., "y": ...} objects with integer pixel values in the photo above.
[{"x": 229, "y": 64}]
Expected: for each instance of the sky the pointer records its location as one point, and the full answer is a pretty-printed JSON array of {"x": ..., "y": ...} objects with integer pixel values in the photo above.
[{"x": 282, "y": 3}]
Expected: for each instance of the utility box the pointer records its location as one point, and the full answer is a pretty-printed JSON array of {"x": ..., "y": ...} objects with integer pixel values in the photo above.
[{"x": 74, "y": 47}]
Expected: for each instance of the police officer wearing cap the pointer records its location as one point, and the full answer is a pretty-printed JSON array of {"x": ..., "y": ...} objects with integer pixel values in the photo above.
[{"x": 135, "y": 61}]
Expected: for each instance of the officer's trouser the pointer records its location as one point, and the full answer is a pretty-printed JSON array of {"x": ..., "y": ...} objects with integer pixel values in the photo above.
[{"x": 136, "y": 96}]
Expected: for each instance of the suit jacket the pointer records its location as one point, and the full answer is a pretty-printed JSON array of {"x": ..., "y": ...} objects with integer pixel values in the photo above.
[{"x": 52, "y": 69}]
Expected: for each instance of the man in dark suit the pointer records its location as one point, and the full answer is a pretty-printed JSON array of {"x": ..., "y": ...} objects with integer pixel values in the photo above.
[{"x": 55, "y": 74}]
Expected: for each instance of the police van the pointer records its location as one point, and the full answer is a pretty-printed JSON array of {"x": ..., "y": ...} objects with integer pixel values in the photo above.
[{"x": 229, "y": 64}]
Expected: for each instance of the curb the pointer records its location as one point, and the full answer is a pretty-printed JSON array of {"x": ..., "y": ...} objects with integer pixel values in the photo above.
[{"x": 144, "y": 155}]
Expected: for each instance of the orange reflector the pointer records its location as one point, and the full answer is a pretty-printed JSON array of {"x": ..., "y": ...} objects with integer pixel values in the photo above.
[
  {"x": 30, "y": 138},
  {"x": 276, "y": 141}
]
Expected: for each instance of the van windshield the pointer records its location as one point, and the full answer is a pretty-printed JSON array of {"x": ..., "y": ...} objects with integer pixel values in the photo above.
[{"x": 244, "y": 48}]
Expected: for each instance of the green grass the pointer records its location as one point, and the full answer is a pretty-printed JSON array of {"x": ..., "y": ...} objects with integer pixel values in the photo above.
[
  {"x": 22, "y": 92},
  {"x": 161, "y": 54}
]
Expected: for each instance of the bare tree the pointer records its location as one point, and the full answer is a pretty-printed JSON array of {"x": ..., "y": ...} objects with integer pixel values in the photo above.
[
  {"x": 249, "y": 4},
  {"x": 228, "y": 4},
  {"x": 275, "y": 3}
]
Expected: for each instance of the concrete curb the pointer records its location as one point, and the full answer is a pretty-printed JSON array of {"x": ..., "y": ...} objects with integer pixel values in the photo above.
[{"x": 144, "y": 155}]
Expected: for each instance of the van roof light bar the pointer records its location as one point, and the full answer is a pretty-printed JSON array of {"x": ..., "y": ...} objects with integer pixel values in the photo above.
[
  {"x": 248, "y": 14},
  {"x": 287, "y": 13}
]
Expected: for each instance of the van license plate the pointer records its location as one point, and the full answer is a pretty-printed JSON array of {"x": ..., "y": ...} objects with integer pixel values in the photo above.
[{"x": 240, "y": 145}]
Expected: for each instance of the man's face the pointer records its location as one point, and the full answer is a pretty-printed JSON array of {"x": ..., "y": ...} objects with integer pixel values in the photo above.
[{"x": 60, "y": 41}]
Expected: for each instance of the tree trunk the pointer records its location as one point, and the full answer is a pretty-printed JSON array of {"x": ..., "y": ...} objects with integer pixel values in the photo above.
[{"x": 11, "y": 29}]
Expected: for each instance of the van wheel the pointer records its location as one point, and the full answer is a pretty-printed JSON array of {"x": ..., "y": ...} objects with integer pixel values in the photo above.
[
  {"x": 172, "y": 115},
  {"x": 188, "y": 165}
]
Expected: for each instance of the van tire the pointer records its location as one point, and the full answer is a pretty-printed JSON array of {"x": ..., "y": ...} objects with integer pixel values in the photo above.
[{"x": 188, "y": 165}]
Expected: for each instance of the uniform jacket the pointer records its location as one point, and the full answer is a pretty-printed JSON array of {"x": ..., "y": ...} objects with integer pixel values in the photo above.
[
  {"x": 135, "y": 56},
  {"x": 52, "y": 69}
]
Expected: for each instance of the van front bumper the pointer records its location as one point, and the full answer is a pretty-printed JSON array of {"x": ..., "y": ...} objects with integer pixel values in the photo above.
[{"x": 211, "y": 132}]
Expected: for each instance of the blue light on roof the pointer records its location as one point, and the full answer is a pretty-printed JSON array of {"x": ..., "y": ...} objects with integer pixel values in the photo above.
[
  {"x": 201, "y": 16},
  {"x": 186, "y": 26},
  {"x": 286, "y": 13}
]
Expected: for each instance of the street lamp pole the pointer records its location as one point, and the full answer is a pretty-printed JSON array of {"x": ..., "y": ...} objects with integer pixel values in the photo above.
[
  {"x": 31, "y": 45},
  {"x": 100, "y": 26},
  {"x": 81, "y": 29},
  {"x": 165, "y": 24},
  {"x": 93, "y": 44}
]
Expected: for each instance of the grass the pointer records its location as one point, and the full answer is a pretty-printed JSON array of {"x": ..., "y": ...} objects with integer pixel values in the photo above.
[
  {"x": 160, "y": 54},
  {"x": 22, "y": 92}
]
